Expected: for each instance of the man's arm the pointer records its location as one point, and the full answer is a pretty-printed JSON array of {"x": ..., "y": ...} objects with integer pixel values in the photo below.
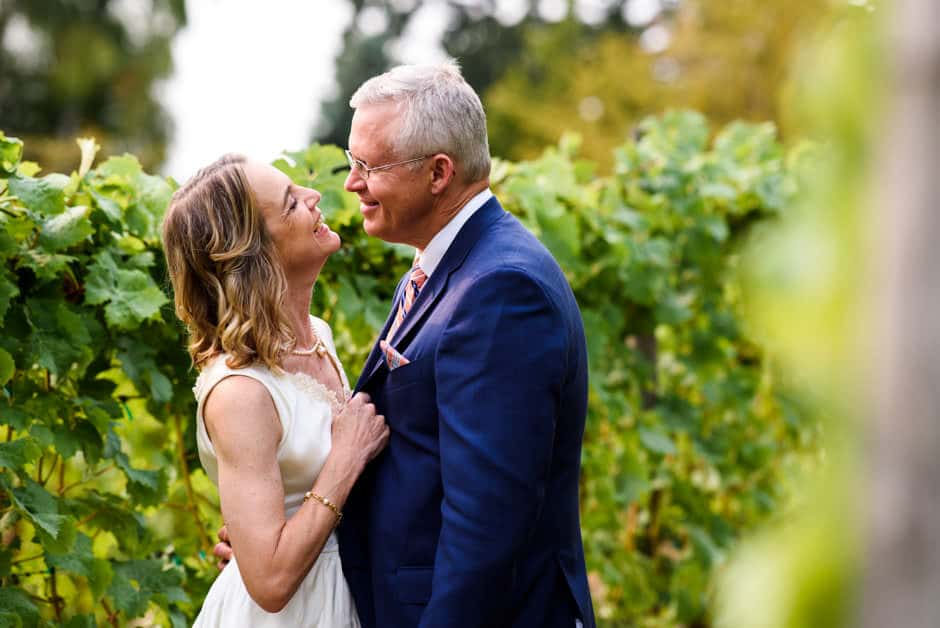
[{"x": 499, "y": 371}]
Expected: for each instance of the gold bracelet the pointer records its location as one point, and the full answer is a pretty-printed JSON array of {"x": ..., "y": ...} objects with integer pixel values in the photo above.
[{"x": 325, "y": 502}]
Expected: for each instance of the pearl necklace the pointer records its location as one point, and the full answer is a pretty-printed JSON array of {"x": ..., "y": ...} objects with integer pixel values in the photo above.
[{"x": 319, "y": 348}]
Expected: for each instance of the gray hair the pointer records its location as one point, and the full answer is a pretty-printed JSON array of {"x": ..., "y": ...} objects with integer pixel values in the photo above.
[{"x": 440, "y": 113}]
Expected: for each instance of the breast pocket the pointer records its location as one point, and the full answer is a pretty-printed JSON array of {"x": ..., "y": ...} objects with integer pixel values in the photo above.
[
  {"x": 410, "y": 403},
  {"x": 415, "y": 372}
]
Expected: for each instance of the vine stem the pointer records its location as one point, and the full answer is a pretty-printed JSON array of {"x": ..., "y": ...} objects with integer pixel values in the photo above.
[
  {"x": 112, "y": 615},
  {"x": 187, "y": 481},
  {"x": 55, "y": 460},
  {"x": 94, "y": 475},
  {"x": 26, "y": 560},
  {"x": 56, "y": 600}
]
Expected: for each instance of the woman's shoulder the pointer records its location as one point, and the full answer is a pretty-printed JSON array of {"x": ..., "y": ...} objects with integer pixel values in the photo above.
[{"x": 217, "y": 369}]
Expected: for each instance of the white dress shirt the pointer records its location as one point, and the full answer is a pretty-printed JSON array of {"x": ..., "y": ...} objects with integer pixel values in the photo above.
[{"x": 434, "y": 252}]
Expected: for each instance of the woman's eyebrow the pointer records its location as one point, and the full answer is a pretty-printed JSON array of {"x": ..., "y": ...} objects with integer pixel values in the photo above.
[{"x": 286, "y": 194}]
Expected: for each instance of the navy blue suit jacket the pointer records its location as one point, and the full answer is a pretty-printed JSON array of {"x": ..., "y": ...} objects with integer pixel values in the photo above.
[{"x": 469, "y": 518}]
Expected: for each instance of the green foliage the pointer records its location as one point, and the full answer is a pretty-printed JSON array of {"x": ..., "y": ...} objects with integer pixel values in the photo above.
[
  {"x": 90, "y": 355},
  {"x": 688, "y": 441}
]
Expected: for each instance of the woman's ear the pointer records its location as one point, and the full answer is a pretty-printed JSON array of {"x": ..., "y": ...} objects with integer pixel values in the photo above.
[{"x": 443, "y": 170}]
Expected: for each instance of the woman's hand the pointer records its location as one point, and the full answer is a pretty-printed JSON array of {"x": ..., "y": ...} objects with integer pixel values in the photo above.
[{"x": 359, "y": 434}]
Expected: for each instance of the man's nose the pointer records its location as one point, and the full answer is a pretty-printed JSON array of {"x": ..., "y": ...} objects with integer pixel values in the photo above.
[{"x": 353, "y": 181}]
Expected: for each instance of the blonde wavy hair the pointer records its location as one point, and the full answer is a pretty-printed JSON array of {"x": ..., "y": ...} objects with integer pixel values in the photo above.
[{"x": 228, "y": 283}]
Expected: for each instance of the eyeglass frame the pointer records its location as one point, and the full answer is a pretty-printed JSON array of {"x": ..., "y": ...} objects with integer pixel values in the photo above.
[{"x": 364, "y": 171}]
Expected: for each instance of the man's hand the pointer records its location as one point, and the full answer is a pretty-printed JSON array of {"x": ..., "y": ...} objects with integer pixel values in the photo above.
[{"x": 223, "y": 549}]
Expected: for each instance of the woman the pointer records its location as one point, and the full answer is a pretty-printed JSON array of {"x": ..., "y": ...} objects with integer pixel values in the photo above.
[{"x": 244, "y": 247}]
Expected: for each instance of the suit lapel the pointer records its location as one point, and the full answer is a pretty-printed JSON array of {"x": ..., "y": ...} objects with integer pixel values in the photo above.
[{"x": 436, "y": 284}]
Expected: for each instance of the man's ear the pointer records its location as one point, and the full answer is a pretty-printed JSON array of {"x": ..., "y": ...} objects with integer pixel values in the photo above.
[{"x": 443, "y": 171}]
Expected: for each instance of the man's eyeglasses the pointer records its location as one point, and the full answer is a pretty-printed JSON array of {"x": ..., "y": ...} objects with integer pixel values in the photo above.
[{"x": 360, "y": 168}]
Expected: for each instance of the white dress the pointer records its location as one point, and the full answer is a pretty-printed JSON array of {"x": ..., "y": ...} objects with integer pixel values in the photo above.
[{"x": 305, "y": 408}]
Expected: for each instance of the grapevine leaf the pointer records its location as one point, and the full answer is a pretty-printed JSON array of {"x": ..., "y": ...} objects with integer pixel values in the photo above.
[
  {"x": 17, "y": 418},
  {"x": 7, "y": 367},
  {"x": 82, "y": 436},
  {"x": 80, "y": 560},
  {"x": 45, "y": 265},
  {"x": 17, "y": 608},
  {"x": 137, "y": 582},
  {"x": 145, "y": 486},
  {"x": 161, "y": 389},
  {"x": 56, "y": 531},
  {"x": 11, "y": 151},
  {"x": 125, "y": 167},
  {"x": 8, "y": 291},
  {"x": 19, "y": 452},
  {"x": 60, "y": 338},
  {"x": 99, "y": 413},
  {"x": 656, "y": 441},
  {"x": 66, "y": 229},
  {"x": 111, "y": 208},
  {"x": 39, "y": 195},
  {"x": 155, "y": 195},
  {"x": 132, "y": 296},
  {"x": 108, "y": 512},
  {"x": 81, "y": 621}
]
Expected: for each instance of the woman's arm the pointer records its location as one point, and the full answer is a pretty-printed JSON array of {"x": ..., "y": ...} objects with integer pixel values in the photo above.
[{"x": 274, "y": 554}]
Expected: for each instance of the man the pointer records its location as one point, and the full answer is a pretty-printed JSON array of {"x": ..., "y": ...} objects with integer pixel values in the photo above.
[{"x": 470, "y": 516}]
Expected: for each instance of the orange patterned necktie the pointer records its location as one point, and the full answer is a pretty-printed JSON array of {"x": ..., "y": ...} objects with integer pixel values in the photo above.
[{"x": 412, "y": 288}]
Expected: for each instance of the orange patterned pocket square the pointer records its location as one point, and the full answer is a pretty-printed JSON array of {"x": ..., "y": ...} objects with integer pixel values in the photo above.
[{"x": 392, "y": 358}]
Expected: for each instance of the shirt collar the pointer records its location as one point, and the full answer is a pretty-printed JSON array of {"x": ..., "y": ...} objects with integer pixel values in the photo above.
[{"x": 434, "y": 252}]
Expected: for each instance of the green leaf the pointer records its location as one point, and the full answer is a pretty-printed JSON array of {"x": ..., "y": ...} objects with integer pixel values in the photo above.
[
  {"x": 7, "y": 367},
  {"x": 56, "y": 531},
  {"x": 66, "y": 229},
  {"x": 146, "y": 487},
  {"x": 45, "y": 265},
  {"x": 81, "y": 561},
  {"x": 19, "y": 452},
  {"x": 11, "y": 151},
  {"x": 656, "y": 441},
  {"x": 160, "y": 387},
  {"x": 81, "y": 621},
  {"x": 108, "y": 512},
  {"x": 131, "y": 295},
  {"x": 60, "y": 338},
  {"x": 39, "y": 195},
  {"x": 125, "y": 167},
  {"x": 111, "y": 208},
  {"x": 8, "y": 290},
  {"x": 154, "y": 194},
  {"x": 16, "y": 603},
  {"x": 137, "y": 582}
]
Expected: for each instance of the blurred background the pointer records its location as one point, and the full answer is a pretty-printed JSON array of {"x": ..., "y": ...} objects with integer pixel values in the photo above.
[
  {"x": 179, "y": 83},
  {"x": 740, "y": 192}
]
